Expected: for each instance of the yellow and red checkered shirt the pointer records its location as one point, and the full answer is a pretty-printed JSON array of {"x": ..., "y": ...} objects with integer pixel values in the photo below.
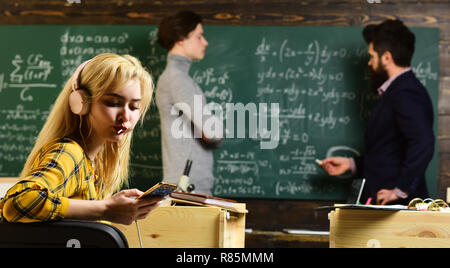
[{"x": 61, "y": 172}]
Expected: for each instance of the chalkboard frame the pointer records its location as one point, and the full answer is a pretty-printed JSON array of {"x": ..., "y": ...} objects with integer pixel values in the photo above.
[{"x": 139, "y": 40}]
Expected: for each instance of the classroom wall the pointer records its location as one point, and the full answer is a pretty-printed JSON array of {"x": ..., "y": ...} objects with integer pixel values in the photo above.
[{"x": 264, "y": 214}]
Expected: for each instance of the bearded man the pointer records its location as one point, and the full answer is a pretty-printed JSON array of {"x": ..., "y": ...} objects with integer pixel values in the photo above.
[{"x": 399, "y": 141}]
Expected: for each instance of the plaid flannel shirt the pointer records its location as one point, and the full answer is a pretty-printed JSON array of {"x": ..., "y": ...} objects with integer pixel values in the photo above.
[{"x": 61, "y": 171}]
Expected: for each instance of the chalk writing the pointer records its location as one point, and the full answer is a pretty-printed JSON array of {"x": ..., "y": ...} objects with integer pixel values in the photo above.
[
  {"x": 238, "y": 186},
  {"x": 214, "y": 85},
  {"x": 20, "y": 113},
  {"x": 241, "y": 167},
  {"x": 292, "y": 188},
  {"x": 314, "y": 74},
  {"x": 424, "y": 72},
  {"x": 311, "y": 94},
  {"x": 30, "y": 72},
  {"x": 36, "y": 69},
  {"x": 78, "y": 47},
  {"x": 314, "y": 53}
]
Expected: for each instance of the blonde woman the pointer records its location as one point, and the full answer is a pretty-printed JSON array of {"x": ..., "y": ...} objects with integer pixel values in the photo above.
[{"x": 81, "y": 156}]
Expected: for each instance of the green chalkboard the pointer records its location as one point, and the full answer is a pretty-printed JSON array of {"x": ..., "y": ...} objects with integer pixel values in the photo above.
[{"x": 308, "y": 82}]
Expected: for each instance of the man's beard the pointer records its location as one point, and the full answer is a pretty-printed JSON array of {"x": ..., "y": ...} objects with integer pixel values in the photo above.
[{"x": 377, "y": 78}]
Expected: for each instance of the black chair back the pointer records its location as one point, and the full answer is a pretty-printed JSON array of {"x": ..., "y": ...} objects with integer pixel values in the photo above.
[{"x": 65, "y": 233}]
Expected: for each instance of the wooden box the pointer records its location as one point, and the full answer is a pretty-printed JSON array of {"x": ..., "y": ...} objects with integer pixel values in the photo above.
[
  {"x": 189, "y": 227},
  {"x": 389, "y": 229}
]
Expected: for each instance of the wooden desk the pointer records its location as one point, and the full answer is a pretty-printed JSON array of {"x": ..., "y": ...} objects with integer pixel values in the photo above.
[
  {"x": 389, "y": 229},
  {"x": 188, "y": 227}
]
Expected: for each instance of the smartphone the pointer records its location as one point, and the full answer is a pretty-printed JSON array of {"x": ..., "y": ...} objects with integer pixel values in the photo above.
[{"x": 159, "y": 189}]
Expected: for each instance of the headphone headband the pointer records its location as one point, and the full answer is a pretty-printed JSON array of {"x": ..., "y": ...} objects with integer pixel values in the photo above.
[{"x": 76, "y": 77}]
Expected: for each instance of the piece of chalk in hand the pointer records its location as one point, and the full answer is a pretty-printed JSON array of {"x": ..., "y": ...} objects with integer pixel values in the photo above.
[{"x": 319, "y": 162}]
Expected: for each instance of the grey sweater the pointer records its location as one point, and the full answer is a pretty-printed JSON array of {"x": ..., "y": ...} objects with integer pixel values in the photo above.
[{"x": 177, "y": 126}]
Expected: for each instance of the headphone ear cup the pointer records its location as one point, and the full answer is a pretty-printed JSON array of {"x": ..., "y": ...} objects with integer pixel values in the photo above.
[{"x": 79, "y": 102}]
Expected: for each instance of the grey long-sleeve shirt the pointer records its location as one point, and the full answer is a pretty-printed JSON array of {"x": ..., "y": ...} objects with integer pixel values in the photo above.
[{"x": 177, "y": 95}]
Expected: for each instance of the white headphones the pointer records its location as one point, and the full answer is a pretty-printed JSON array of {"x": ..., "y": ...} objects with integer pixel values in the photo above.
[{"x": 79, "y": 98}]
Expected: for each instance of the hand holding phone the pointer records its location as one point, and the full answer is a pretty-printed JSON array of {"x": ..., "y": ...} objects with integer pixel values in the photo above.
[{"x": 160, "y": 189}]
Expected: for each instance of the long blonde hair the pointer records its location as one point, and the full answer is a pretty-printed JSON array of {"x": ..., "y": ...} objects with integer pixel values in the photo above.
[{"x": 103, "y": 74}]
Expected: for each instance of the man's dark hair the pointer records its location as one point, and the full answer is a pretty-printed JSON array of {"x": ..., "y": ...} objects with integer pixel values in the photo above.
[
  {"x": 392, "y": 36},
  {"x": 177, "y": 27}
]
